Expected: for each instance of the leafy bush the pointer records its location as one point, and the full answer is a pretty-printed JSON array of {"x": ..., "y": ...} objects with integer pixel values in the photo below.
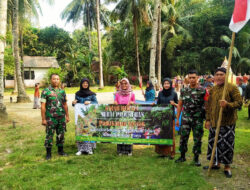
[{"x": 57, "y": 71}]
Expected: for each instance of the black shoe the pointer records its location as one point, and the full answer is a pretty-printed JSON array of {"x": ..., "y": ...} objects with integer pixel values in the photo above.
[
  {"x": 228, "y": 173},
  {"x": 48, "y": 155},
  {"x": 181, "y": 159},
  {"x": 214, "y": 167},
  {"x": 197, "y": 161},
  {"x": 61, "y": 152}
]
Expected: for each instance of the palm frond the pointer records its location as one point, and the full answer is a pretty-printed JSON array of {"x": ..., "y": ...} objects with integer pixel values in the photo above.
[
  {"x": 225, "y": 39},
  {"x": 213, "y": 50},
  {"x": 236, "y": 53}
]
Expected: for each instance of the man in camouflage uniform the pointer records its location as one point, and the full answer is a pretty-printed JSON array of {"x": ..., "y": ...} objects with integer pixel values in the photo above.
[
  {"x": 54, "y": 111},
  {"x": 192, "y": 100}
]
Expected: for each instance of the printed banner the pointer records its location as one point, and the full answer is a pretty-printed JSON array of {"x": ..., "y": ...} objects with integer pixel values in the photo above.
[{"x": 134, "y": 124}]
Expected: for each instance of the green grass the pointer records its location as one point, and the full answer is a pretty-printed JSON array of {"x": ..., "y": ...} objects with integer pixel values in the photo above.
[
  {"x": 25, "y": 167},
  {"x": 71, "y": 90}
]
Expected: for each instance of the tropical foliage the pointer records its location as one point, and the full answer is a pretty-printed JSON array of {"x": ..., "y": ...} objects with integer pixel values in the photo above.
[{"x": 195, "y": 34}]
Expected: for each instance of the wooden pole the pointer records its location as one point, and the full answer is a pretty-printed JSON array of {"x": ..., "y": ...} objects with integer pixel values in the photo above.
[{"x": 221, "y": 109}]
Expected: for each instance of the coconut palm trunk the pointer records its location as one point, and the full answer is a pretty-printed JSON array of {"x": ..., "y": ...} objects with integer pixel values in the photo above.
[
  {"x": 159, "y": 47},
  {"x": 22, "y": 96},
  {"x": 99, "y": 44},
  {"x": 154, "y": 42},
  {"x": 3, "y": 25},
  {"x": 15, "y": 81},
  {"x": 21, "y": 53},
  {"x": 137, "y": 44},
  {"x": 89, "y": 28}
]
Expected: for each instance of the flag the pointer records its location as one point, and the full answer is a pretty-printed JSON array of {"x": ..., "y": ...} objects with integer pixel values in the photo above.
[{"x": 241, "y": 15}]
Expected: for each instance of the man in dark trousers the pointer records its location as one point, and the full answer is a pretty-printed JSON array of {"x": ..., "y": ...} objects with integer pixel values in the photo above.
[
  {"x": 54, "y": 111},
  {"x": 225, "y": 147},
  {"x": 192, "y": 101}
]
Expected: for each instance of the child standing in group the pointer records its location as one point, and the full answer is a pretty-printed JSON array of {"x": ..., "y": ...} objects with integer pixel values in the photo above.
[{"x": 36, "y": 97}]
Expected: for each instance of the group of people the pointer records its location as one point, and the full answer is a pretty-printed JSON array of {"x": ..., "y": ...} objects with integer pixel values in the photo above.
[{"x": 195, "y": 102}]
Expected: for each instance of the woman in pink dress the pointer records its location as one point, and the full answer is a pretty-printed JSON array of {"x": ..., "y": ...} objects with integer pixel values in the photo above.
[{"x": 124, "y": 96}]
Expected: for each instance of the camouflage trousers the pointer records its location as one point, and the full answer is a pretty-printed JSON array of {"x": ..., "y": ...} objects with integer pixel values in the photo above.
[
  {"x": 196, "y": 125},
  {"x": 57, "y": 124}
]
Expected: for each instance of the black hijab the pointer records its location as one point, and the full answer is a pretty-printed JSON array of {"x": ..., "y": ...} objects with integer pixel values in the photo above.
[
  {"x": 167, "y": 92},
  {"x": 151, "y": 86},
  {"x": 84, "y": 92}
]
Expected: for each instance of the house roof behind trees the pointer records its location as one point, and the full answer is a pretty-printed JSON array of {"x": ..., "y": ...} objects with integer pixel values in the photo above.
[{"x": 40, "y": 62}]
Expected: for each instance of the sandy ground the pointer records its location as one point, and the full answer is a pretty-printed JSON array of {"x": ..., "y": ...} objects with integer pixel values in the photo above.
[{"x": 25, "y": 111}]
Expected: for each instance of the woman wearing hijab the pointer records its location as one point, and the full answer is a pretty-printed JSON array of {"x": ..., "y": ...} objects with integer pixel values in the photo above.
[
  {"x": 150, "y": 92},
  {"x": 127, "y": 97},
  {"x": 167, "y": 96},
  {"x": 86, "y": 97}
]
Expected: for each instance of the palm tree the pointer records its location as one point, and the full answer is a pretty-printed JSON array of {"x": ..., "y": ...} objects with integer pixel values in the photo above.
[
  {"x": 89, "y": 11},
  {"x": 22, "y": 96},
  {"x": 101, "y": 85},
  {"x": 85, "y": 10},
  {"x": 173, "y": 33},
  {"x": 240, "y": 60},
  {"x": 159, "y": 47},
  {"x": 139, "y": 11},
  {"x": 3, "y": 24},
  {"x": 154, "y": 41},
  {"x": 20, "y": 10}
]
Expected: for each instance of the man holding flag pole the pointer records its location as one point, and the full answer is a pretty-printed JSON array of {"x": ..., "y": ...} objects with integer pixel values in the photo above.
[{"x": 221, "y": 120}]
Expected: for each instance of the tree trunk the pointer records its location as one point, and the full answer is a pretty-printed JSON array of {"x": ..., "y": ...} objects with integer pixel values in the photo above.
[
  {"x": 154, "y": 42},
  {"x": 22, "y": 96},
  {"x": 15, "y": 82},
  {"x": 137, "y": 45},
  {"x": 159, "y": 47},
  {"x": 21, "y": 53},
  {"x": 89, "y": 29},
  {"x": 99, "y": 44},
  {"x": 3, "y": 26}
]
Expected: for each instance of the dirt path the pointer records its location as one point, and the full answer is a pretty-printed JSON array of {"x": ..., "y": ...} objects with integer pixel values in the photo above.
[{"x": 27, "y": 114}]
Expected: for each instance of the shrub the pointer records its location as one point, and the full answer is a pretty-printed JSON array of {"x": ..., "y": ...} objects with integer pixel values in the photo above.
[{"x": 57, "y": 71}]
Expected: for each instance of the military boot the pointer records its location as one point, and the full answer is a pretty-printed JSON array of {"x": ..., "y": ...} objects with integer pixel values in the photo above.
[
  {"x": 48, "y": 155},
  {"x": 196, "y": 160},
  {"x": 181, "y": 159},
  {"x": 61, "y": 152}
]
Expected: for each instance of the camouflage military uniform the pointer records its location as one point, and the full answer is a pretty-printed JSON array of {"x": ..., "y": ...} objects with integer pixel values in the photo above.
[
  {"x": 55, "y": 115},
  {"x": 192, "y": 118}
]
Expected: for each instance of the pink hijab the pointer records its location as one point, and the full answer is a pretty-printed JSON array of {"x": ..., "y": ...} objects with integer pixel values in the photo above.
[{"x": 127, "y": 91}]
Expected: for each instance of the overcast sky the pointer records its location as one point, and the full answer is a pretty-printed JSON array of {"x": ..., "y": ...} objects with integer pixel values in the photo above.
[{"x": 51, "y": 15}]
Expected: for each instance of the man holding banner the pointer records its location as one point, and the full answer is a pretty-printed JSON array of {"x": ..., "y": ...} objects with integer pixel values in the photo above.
[{"x": 225, "y": 146}]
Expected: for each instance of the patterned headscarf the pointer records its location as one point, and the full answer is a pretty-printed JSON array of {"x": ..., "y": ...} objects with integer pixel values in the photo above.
[{"x": 127, "y": 91}]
